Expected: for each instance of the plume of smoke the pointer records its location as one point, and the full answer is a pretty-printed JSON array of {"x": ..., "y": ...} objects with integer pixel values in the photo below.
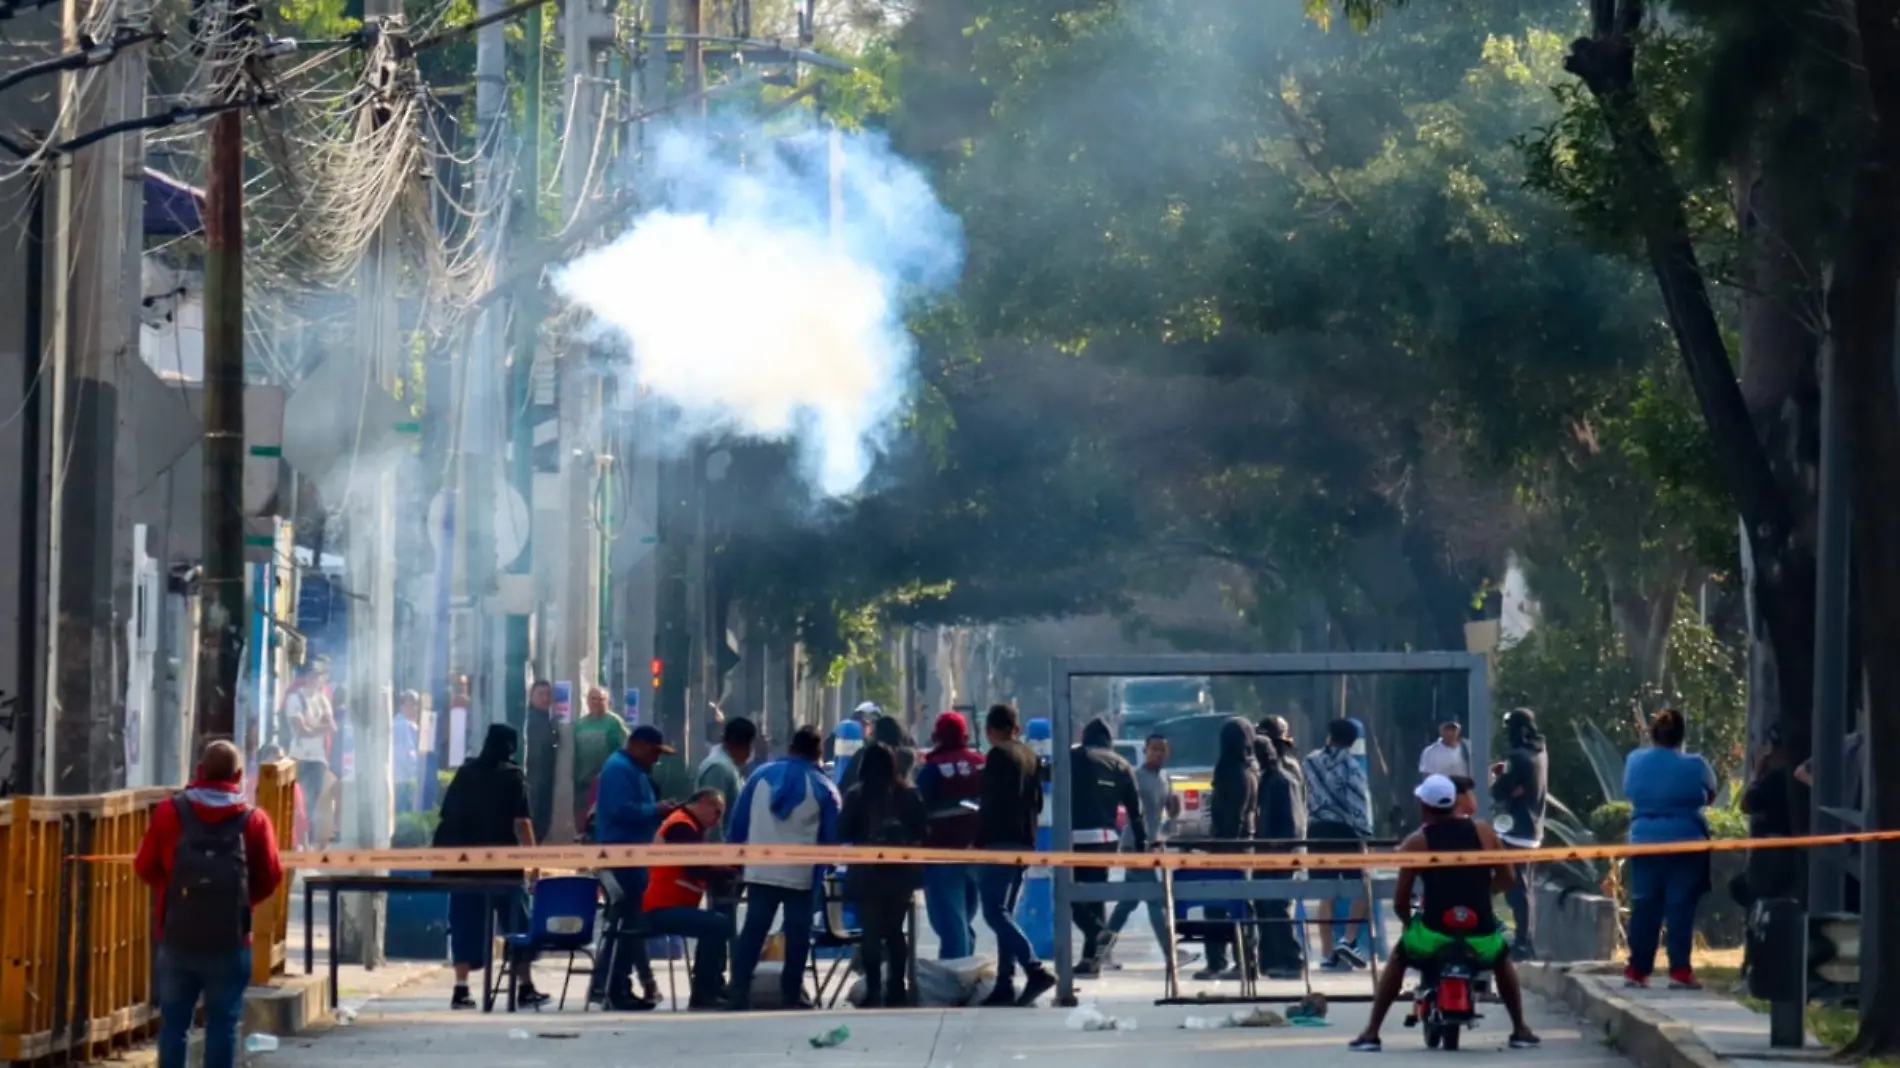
[{"x": 754, "y": 308}]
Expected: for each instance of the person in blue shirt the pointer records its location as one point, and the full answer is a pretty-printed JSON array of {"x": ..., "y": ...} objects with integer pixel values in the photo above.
[
  {"x": 628, "y": 811},
  {"x": 786, "y": 802},
  {"x": 1667, "y": 791}
]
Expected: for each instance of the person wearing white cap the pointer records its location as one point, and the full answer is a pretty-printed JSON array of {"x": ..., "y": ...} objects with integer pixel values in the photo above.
[{"x": 1456, "y": 910}]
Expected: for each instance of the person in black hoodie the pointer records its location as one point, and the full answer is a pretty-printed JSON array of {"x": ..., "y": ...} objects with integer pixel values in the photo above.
[
  {"x": 1012, "y": 803},
  {"x": 1520, "y": 789},
  {"x": 1283, "y": 822},
  {"x": 1235, "y": 807},
  {"x": 1101, "y": 783},
  {"x": 882, "y": 809},
  {"x": 486, "y": 805}
]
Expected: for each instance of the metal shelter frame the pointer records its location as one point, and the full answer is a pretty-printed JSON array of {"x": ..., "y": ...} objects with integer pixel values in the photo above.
[{"x": 1063, "y": 670}]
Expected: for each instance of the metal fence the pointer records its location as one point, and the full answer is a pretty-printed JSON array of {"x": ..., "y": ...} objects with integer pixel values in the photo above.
[{"x": 76, "y": 946}]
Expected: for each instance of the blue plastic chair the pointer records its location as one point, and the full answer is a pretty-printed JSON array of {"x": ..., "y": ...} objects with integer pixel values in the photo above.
[{"x": 560, "y": 920}]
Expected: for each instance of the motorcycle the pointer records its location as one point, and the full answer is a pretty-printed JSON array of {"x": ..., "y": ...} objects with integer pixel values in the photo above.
[{"x": 1445, "y": 1003}]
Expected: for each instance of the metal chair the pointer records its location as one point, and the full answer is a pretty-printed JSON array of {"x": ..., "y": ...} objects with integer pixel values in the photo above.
[{"x": 833, "y": 931}]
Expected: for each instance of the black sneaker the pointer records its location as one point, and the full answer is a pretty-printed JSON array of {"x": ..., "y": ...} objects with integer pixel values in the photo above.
[
  {"x": 460, "y": 1001},
  {"x": 706, "y": 1003},
  {"x": 1526, "y": 1042},
  {"x": 1003, "y": 997},
  {"x": 1038, "y": 982},
  {"x": 1088, "y": 968},
  {"x": 1346, "y": 951},
  {"x": 628, "y": 1003},
  {"x": 1363, "y": 1044},
  {"x": 528, "y": 997}
]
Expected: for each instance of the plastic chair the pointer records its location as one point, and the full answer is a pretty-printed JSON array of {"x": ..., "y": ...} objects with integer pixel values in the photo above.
[{"x": 561, "y": 919}]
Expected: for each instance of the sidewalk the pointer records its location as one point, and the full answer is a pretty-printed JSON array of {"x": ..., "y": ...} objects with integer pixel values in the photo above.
[{"x": 1662, "y": 1028}]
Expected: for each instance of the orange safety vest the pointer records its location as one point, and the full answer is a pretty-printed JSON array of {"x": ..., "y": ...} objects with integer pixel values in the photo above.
[{"x": 670, "y": 886}]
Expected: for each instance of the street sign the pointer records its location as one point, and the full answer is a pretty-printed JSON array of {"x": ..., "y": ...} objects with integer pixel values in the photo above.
[{"x": 563, "y": 700}]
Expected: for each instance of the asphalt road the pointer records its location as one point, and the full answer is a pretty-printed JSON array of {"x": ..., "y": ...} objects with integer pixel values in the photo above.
[{"x": 413, "y": 1027}]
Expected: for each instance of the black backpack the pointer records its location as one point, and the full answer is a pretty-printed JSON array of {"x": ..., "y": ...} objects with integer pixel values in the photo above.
[{"x": 208, "y": 899}]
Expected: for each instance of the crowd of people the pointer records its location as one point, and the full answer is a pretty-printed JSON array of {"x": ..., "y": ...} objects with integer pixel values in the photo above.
[{"x": 211, "y": 855}]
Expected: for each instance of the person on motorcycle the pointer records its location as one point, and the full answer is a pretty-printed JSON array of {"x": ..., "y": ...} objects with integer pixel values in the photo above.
[{"x": 1456, "y": 912}]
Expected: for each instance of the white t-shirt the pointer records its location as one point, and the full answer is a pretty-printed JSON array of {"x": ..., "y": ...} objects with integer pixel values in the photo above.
[
  {"x": 1447, "y": 760},
  {"x": 303, "y": 709}
]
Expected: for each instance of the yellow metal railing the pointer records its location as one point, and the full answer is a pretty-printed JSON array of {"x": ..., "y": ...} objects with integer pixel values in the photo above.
[{"x": 76, "y": 949}]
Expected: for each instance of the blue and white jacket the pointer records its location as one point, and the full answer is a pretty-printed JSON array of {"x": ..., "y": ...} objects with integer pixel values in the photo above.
[{"x": 786, "y": 802}]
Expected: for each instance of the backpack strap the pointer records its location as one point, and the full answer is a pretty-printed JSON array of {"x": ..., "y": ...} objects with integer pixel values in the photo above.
[{"x": 187, "y": 816}]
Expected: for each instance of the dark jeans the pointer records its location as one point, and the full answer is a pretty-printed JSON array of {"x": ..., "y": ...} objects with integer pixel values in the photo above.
[
  {"x": 1091, "y": 916},
  {"x": 628, "y": 951},
  {"x": 1523, "y": 902},
  {"x": 884, "y": 951},
  {"x": 711, "y": 931},
  {"x": 950, "y": 901},
  {"x": 468, "y": 925},
  {"x": 1157, "y": 909},
  {"x": 997, "y": 887},
  {"x": 763, "y": 904},
  {"x": 1279, "y": 945},
  {"x": 221, "y": 981},
  {"x": 1664, "y": 893}
]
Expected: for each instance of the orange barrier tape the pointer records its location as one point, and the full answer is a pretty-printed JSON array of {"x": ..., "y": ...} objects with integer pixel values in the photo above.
[{"x": 646, "y": 856}]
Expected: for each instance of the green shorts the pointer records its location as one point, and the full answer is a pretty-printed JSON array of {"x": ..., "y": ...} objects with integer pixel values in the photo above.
[{"x": 1421, "y": 943}]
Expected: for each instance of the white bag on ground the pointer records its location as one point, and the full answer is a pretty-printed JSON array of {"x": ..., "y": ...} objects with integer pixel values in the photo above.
[{"x": 944, "y": 984}]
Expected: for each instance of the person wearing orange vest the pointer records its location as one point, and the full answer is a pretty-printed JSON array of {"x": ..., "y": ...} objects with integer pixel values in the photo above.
[{"x": 675, "y": 892}]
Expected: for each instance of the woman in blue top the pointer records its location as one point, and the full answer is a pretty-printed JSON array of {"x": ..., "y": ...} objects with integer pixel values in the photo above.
[{"x": 1667, "y": 790}]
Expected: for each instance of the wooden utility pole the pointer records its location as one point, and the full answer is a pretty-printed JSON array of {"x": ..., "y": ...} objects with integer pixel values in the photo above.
[{"x": 221, "y": 627}]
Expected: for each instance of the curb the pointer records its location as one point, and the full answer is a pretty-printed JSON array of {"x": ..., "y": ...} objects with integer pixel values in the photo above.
[{"x": 1646, "y": 1037}]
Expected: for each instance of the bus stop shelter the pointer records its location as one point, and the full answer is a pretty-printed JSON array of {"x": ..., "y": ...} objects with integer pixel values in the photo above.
[{"x": 1064, "y": 670}]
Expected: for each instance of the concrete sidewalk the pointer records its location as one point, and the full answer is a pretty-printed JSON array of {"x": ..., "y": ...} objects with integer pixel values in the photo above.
[{"x": 1662, "y": 1028}]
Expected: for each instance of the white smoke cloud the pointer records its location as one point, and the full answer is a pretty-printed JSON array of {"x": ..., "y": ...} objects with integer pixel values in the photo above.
[{"x": 747, "y": 310}]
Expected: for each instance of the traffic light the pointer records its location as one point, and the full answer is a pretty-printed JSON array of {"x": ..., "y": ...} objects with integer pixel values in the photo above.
[{"x": 657, "y": 673}]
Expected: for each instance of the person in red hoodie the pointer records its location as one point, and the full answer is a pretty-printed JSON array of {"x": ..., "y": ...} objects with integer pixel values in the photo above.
[
  {"x": 209, "y": 858},
  {"x": 950, "y": 777}
]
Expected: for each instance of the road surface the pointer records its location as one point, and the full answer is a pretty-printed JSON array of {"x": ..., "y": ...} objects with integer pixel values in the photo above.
[{"x": 412, "y": 1027}]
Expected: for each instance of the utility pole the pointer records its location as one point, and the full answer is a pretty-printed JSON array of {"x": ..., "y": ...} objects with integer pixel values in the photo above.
[
  {"x": 521, "y": 374},
  {"x": 99, "y": 239},
  {"x": 479, "y": 412},
  {"x": 223, "y": 615},
  {"x": 370, "y": 546}
]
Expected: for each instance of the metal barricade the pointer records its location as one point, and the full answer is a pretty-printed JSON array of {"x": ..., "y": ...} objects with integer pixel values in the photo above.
[{"x": 76, "y": 946}]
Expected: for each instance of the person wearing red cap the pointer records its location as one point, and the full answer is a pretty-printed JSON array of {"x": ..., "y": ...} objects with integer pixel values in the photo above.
[
  {"x": 951, "y": 781},
  {"x": 210, "y": 859}
]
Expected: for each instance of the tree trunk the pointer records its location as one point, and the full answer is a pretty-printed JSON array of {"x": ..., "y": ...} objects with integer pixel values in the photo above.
[
  {"x": 1781, "y": 330},
  {"x": 1784, "y": 574},
  {"x": 1861, "y": 306},
  {"x": 1644, "y": 617}
]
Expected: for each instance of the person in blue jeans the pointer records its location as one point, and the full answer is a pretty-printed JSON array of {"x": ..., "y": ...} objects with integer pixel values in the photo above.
[
  {"x": 1012, "y": 804},
  {"x": 787, "y": 802},
  {"x": 950, "y": 778},
  {"x": 210, "y": 858},
  {"x": 1667, "y": 790},
  {"x": 628, "y": 811}
]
